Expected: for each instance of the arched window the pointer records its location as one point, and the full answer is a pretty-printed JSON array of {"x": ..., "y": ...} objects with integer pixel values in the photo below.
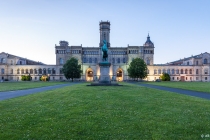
[
  {"x": 49, "y": 71},
  {"x": 11, "y": 71},
  {"x": 90, "y": 60},
  {"x": 113, "y": 60},
  {"x": 22, "y": 71},
  {"x": 40, "y": 71},
  {"x": 148, "y": 62},
  {"x": 35, "y": 71},
  {"x": 44, "y": 71},
  {"x": 168, "y": 71},
  {"x": 190, "y": 71},
  {"x": 147, "y": 71},
  {"x": 61, "y": 71},
  {"x": 53, "y": 71},
  {"x": 159, "y": 71},
  {"x": 61, "y": 61},
  {"x": 20, "y": 62},
  {"x": 164, "y": 71},
  {"x": 155, "y": 71},
  {"x": 188, "y": 63},
  {"x": 196, "y": 62},
  {"x": 118, "y": 60},
  {"x": 205, "y": 61},
  {"x": 123, "y": 60},
  {"x": 182, "y": 71},
  {"x": 18, "y": 71},
  {"x": 206, "y": 71},
  {"x": 197, "y": 72},
  {"x": 31, "y": 71},
  {"x": 26, "y": 71},
  {"x": 177, "y": 71},
  {"x": 186, "y": 71},
  {"x": 172, "y": 71},
  {"x": 2, "y": 71}
]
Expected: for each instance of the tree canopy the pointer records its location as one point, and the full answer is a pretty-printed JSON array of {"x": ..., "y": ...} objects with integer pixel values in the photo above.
[
  {"x": 137, "y": 69},
  {"x": 71, "y": 69},
  {"x": 165, "y": 77}
]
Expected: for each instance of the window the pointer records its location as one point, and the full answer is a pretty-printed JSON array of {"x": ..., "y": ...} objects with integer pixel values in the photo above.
[
  {"x": 90, "y": 60},
  {"x": 40, "y": 71},
  {"x": 61, "y": 78},
  {"x": 11, "y": 71},
  {"x": 196, "y": 62},
  {"x": 147, "y": 71},
  {"x": 186, "y": 78},
  {"x": 53, "y": 78},
  {"x": 26, "y": 71},
  {"x": 186, "y": 71},
  {"x": 177, "y": 78},
  {"x": 190, "y": 78},
  {"x": 155, "y": 71},
  {"x": 61, "y": 61},
  {"x": 53, "y": 71},
  {"x": 84, "y": 60},
  {"x": 188, "y": 63},
  {"x": 113, "y": 60},
  {"x": 172, "y": 71},
  {"x": 172, "y": 78},
  {"x": 2, "y": 71},
  {"x": 168, "y": 71},
  {"x": 148, "y": 62},
  {"x": 61, "y": 71},
  {"x": 123, "y": 60},
  {"x": 22, "y": 71},
  {"x": 31, "y": 71},
  {"x": 190, "y": 71},
  {"x": 197, "y": 72},
  {"x": 18, "y": 71},
  {"x": 11, "y": 62},
  {"x": 197, "y": 78},
  {"x": 177, "y": 71},
  {"x": 3, "y": 61},
  {"x": 206, "y": 78},
  {"x": 96, "y": 61},
  {"x": 182, "y": 71},
  {"x": 44, "y": 71},
  {"x": 49, "y": 71},
  {"x": 118, "y": 60},
  {"x": 206, "y": 71},
  {"x": 20, "y": 62},
  {"x": 164, "y": 71},
  {"x": 159, "y": 71},
  {"x": 35, "y": 71},
  {"x": 205, "y": 61}
]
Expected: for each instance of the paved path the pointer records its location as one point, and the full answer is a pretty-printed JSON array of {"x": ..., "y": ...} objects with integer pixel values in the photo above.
[
  {"x": 177, "y": 90},
  {"x": 12, "y": 94}
]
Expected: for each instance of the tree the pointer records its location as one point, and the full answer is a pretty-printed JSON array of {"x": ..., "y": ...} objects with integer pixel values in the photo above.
[
  {"x": 71, "y": 69},
  {"x": 165, "y": 77},
  {"x": 137, "y": 69},
  {"x": 26, "y": 77}
]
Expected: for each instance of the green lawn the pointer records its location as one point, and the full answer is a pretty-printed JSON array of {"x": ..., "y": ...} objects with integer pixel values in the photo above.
[
  {"x": 7, "y": 86},
  {"x": 196, "y": 86},
  {"x": 124, "y": 112}
]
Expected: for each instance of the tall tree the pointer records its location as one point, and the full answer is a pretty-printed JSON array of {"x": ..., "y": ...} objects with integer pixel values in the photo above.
[
  {"x": 71, "y": 69},
  {"x": 137, "y": 69}
]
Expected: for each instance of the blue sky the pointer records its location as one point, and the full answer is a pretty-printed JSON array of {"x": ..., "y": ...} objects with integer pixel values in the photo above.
[{"x": 31, "y": 28}]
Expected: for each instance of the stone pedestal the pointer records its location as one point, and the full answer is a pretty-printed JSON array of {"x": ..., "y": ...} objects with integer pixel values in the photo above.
[{"x": 104, "y": 72}]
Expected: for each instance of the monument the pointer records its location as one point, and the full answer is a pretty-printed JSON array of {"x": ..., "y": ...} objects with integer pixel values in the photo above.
[
  {"x": 104, "y": 78},
  {"x": 104, "y": 65}
]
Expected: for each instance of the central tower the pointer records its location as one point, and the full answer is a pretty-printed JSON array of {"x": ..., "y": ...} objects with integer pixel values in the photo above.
[{"x": 104, "y": 33}]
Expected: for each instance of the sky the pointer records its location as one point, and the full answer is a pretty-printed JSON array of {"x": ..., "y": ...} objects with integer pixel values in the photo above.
[{"x": 31, "y": 28}]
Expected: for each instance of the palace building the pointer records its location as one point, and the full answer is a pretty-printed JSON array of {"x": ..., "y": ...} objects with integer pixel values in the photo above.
[{"x": 194, "y": 68}]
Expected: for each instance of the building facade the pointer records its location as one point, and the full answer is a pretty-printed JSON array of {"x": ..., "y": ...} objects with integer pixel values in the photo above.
[{"x": 194, "y": 68}]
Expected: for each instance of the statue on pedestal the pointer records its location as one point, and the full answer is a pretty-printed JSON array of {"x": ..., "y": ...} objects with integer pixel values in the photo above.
[{"x": 104, "y": 51}]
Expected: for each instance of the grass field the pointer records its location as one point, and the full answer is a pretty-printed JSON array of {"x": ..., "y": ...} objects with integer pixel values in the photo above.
[
  {"x": 7, "y": 86},
  {"x": 125, "y": 112},
  {"x": 196, "y": 86}
]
